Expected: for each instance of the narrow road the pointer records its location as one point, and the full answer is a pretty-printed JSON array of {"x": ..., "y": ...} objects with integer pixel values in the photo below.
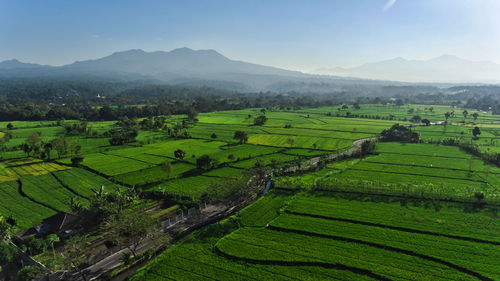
[{"x": 113, "y": 261}]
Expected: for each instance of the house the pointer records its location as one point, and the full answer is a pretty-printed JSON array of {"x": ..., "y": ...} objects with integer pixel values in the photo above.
[{"x": 63, "y": 224}]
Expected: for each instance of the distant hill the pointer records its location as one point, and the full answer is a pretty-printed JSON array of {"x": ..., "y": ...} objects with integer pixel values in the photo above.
[
  {"x": 443, "y": 69},
  {"x": 179, "y": 66}
]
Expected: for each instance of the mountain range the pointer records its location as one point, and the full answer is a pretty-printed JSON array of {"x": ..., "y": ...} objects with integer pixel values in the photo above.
[
  {"x": 179, "y": 66},
  {"x": 185, "y": 66},
  {"x": 443, "y": 69}
]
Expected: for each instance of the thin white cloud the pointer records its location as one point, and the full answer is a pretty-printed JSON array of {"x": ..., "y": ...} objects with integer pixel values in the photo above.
[
  {"x": 95, "y": 36},
  {"x": 388, "y": 5}
]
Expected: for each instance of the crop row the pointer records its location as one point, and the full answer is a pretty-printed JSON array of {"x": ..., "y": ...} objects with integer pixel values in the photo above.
[
  {"x": 448, "y": 221},
  {"x": 47, "y": 190},
  {"x": 299, "y": 141},
  {"x": 83, "y": 181},
  {"x": 15, "y": 172},
  {"x": 194, "y": 259},
  {"x": 266, "y": 160},
  {"x": 477, "y": 257},
  {"x": 418, "y": 171},
  {"x": 189, "y": 187},
  {"x": 154, "y": 174},
  {"x": 263, "y": 210},
  {"x": 26, "y": 212},
  {"x": 112, "y": 165},
  {"x": 421, "y": 149},
  {"x": 269, "y": 246}
]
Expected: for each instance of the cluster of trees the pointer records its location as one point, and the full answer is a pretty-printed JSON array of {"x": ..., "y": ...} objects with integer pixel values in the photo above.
[
  {"x": 241, "y": 136},
  {"x": 260, "y": 120},
  {"x": 399, "y": 133},
  {"x": 34, "y": 146},
  {"x": 77, "y": 128},
  {"x": 152, "y": 123},
  {"x": 122, "y": 135}
]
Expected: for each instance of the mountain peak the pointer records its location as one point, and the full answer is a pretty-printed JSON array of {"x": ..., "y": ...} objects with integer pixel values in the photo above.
[
  {"x": 129, "y": 52},
  {"x": 445, "y": 68},
  {"x": 446, "y": 57},
  {"x": 182, "y": 50},
  {"x": 399, "y": 59},
  {"x": 14, "y": 63},
  {"x": 188, "y": 51}
]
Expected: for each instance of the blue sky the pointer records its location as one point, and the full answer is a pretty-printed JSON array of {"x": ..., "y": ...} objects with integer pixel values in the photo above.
[{"x": 301, "y": 35}]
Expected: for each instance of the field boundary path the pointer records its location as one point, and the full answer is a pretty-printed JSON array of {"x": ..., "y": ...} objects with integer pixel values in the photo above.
[{"x": 315, "y": 160}]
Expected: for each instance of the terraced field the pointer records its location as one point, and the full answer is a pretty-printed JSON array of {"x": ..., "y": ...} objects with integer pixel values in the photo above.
[
  {"x": 405, "y": 112},
  {"x": 24, "y": 211},
  {"x": 154, "y": 174},
  {"x": 488, "y": 140},
  {"x": 193, "y": 187},
  {"x": 318, "y": 237},
  {"x": 47, "y": 191},
  {"x": 435, "y": 170},
  {"x": 15, "y": 169},
  {"x": 83, "y": 182}
]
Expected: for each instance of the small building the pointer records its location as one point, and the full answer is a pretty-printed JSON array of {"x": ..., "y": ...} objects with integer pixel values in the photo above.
[{"x": 63, "y": 224}]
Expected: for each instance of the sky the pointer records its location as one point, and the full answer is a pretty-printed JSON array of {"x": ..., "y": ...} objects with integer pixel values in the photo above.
[{"x": 299, "y": 35}]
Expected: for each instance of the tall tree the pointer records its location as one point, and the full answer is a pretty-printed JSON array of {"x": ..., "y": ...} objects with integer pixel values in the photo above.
[
  {"x": 476, "y": 131},
  {"x": 447, "y": 115},
  {"x": 475, "y": 115},
  {"x": 179, "y": 154},
  {"x": 241, "y": 136},
  {"x": 74, "y": 255},
  {"x": 130, "y": 230}
]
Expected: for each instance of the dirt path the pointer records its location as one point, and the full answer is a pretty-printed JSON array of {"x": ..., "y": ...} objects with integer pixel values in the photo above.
[{"x": 315, "y": 160}]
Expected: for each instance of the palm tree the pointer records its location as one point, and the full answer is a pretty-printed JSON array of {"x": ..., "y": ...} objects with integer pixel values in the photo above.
[
  {"x": 447, "y": 116},
  {"x": 51, "y": 240}
]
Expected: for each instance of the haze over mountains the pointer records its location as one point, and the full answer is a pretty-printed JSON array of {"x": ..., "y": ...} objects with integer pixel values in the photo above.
[
  {"x": 443, "y": 69},
  {"x": 185, "y": 66}
]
